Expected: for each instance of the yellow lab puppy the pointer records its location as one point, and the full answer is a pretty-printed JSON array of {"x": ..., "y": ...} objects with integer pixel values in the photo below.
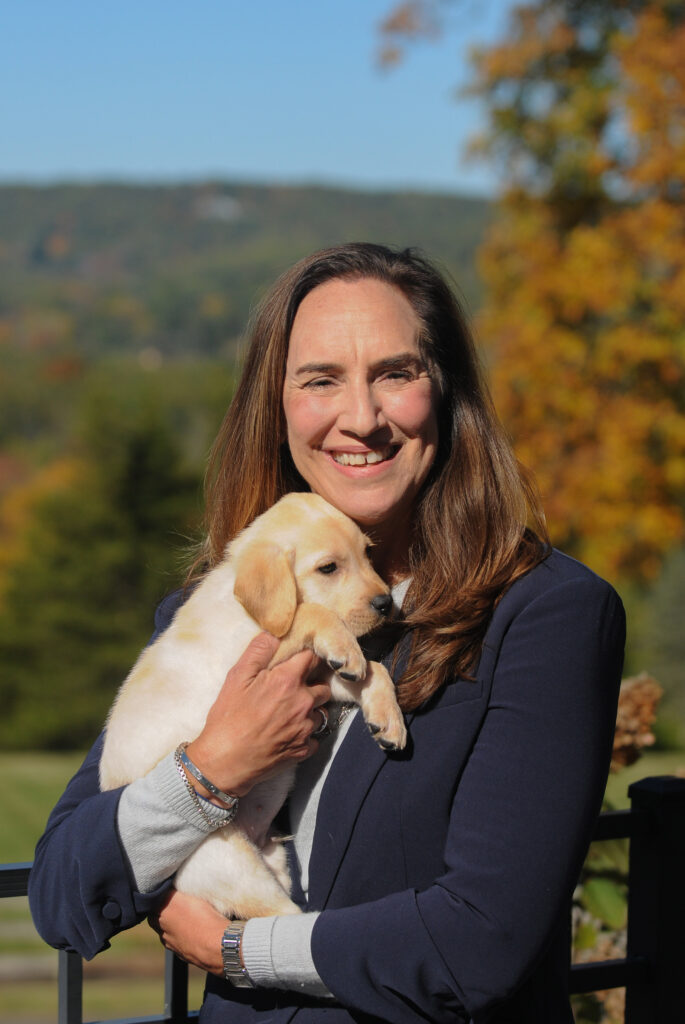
[{"x": 301, "y": 572}]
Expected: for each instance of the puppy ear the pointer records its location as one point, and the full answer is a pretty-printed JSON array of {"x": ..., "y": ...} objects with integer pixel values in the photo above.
[{"x": 265, "y": 587}]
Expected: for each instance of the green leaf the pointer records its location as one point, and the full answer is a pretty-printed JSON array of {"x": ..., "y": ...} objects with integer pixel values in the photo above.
[
  {"x": 585, "y": 937},
  {"x": 606, "y": 901},
  {"x": 608, "y": 855}
]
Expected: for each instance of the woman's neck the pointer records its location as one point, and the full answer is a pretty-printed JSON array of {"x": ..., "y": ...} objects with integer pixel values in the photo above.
[{"x": 390, "y": 555}]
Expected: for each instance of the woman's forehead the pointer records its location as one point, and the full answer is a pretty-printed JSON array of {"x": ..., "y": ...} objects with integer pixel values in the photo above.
[{"x": 342, "y": 314}]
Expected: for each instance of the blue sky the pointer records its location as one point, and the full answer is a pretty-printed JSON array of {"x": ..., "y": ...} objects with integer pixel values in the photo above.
[{"x": 263, "y": 90}]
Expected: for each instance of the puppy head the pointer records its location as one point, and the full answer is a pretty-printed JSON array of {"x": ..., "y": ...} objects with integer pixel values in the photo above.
[{"x": 303, "y": 549}]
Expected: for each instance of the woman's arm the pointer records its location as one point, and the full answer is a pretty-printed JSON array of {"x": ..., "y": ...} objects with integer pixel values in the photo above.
[
  {"x": 81, "y": 888},
  {"x": 521, "y": 821},
  {"x": 279, "y": 958}
]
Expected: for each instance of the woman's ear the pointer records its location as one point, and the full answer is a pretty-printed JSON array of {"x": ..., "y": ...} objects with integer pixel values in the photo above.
[{"x": 265, "y": 586}]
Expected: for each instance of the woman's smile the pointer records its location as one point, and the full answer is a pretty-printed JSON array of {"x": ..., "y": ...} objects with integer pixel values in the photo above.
[
  {"x": 359, "y": 403},
  {"x": 366, "y": 457}
]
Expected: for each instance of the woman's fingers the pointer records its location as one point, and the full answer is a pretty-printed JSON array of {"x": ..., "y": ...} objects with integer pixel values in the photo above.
[
  {"x": 320, "y": 693},
  {"x": 262, "y": 718},
  {"x": 257, "y": 655},
  {"x": 192, "y": 929}
]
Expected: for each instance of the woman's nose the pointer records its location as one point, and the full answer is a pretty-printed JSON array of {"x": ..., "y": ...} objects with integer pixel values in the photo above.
[{"x": 361, "y": 411}]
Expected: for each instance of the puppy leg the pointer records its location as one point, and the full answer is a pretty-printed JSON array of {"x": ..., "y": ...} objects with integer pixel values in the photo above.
[
  {"x": 377, "y": 698},
  {"x": 229, "y": 872},
  {"x": 276, "y": 859},
  {"x": 323, "y": 632}
]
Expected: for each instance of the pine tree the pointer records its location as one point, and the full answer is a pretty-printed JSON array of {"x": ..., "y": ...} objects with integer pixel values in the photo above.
[{"x": 99, "y": 549}]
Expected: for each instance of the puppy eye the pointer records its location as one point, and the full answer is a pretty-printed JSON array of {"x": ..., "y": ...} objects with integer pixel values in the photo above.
[{"x": 328, "y": 568}]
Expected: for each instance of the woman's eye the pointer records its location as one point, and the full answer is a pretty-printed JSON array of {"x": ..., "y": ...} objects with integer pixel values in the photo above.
[
  {"x": 328, "y": 568},
  {"x": 319, "y": 383},
  {"x": 400, "y": 375}
]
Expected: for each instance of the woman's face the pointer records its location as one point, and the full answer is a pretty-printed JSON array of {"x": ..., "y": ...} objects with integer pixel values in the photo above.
[{"x": 359, "y": 403}]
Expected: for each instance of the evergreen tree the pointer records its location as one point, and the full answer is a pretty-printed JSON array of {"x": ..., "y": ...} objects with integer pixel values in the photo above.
[{"x": 99, "y": 551}]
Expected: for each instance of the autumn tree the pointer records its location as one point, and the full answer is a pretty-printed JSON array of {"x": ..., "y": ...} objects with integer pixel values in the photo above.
[{"x": 584, "y": 265}]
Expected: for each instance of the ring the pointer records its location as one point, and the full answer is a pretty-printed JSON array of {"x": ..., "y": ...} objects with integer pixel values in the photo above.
[{"x": 323, "y": 728}]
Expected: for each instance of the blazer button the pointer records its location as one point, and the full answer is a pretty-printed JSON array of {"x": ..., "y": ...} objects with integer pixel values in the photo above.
[{"x": 111, "y": 910}]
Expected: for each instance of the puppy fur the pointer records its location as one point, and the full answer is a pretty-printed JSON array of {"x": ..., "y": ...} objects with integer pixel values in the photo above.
[{"x": 300, "y": 571}]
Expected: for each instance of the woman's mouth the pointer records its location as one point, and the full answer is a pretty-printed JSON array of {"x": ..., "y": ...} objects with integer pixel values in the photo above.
[{"x": 368, "y": 458}]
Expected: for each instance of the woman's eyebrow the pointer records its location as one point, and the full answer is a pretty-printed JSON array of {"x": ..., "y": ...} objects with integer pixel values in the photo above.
[
  {"x": 318, "y": 368},
  {"x": 388, "y": 363},
  {"x": 398, "y": 361}
]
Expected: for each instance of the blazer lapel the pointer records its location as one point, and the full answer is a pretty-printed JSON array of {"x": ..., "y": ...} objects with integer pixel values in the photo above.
[{"x": 349, "y": 779}]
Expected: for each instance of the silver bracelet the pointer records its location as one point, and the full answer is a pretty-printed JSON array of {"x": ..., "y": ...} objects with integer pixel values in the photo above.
[
  {"x": 209, "y": 820},
  {"x": 230, "y": 955},
  {"x": 227, "y": 798}
]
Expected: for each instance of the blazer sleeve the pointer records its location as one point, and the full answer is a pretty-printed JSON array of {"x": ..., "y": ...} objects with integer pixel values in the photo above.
[
  {"x": 521, "y": 821},
  {"x": 81, "y": 890}
]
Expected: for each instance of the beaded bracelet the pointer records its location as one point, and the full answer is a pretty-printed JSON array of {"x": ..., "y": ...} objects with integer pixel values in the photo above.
[{"x": 180, "y": 758}]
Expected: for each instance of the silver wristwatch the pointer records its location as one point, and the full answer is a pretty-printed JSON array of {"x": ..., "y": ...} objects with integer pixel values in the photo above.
[{"x": 230, "y": 954}]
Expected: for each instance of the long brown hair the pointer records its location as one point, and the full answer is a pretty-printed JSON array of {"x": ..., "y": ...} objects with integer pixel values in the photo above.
[{"x": 478, "y": 524}]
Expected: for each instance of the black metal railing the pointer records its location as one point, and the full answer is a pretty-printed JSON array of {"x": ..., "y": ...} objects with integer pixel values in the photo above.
[
  {"x": 652, "y": 972},
  {"x": 14, "y": 882}
]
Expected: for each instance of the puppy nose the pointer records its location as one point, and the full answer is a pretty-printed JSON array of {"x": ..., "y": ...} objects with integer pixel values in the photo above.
[{"x": 382, "y": 603}]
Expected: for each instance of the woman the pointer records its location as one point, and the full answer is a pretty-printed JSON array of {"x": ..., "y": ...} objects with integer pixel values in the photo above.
[{"x": 437, "y": 882}]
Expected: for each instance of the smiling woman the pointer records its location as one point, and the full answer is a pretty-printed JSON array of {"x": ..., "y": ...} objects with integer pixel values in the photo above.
[
  {"x": 445, "y": 504},
  {"x": 444, "y": 870},
  {"x": 359, "y": 405}
]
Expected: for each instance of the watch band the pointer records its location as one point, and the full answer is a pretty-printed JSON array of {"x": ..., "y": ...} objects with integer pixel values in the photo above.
[{"x": 230, "y": 954}]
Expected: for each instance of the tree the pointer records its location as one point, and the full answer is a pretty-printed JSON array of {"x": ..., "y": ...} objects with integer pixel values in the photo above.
[
  {"x": 95, "y": 556},
  {"x": 584, "y": 266}
]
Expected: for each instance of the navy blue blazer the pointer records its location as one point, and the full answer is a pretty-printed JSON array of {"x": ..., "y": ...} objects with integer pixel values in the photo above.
[{"x": 444, "y": 874}]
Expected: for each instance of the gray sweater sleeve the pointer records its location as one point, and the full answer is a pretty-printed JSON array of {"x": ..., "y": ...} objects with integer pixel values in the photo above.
[
  {"x": 277, "y": 952},
  {"x": 160, "y": 825}
]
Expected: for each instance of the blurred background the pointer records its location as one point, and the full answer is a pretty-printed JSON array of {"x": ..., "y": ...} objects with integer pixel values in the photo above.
[{"x": 161, "y": 163}]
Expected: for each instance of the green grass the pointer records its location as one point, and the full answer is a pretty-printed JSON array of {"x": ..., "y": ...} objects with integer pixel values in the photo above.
[{"x": 30, "y": 785}]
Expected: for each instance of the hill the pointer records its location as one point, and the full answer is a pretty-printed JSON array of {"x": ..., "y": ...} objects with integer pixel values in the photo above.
[{"x": 111, "y": 268}]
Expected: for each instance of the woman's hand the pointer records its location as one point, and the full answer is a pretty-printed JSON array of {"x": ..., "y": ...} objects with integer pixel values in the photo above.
[
  {"x": 262, "y": 719},
  {"x": 193, "y": 929}
]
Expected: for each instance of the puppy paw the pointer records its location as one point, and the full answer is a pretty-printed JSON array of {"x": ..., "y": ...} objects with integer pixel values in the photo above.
[
  {"x": 344, "y": 656},
  {"x": 385, "y": 723}
]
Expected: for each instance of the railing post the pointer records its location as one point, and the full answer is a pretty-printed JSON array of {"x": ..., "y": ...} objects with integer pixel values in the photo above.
[
  {"x": 70, "y": 988},
  {"x": 175, "y": 989},
  {"x": 656, "y": 903}
]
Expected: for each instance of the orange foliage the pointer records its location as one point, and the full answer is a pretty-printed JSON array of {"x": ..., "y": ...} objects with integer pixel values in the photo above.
[
  {"x": 408, "y": 20},
  {"x": 19, "y": 500},
  {"x": 585, "y": 266},
  {"x": 585, "y": 271}
]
